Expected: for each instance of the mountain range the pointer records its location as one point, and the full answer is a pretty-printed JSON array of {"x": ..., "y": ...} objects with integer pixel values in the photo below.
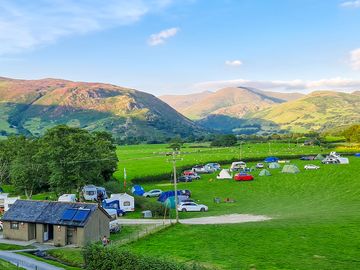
[
  {"x": 32, "y": 106},
  {"x": 248, "y": 110}
]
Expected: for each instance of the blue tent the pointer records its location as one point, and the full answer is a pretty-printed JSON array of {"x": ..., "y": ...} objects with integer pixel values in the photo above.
[
  {"x": 271, "y": 159},
  {"x": 137, "y": 190},
  {"x": 357, "y": 155}
]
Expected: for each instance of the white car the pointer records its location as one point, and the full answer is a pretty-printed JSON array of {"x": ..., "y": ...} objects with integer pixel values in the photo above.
[
  {"x": 311, "y": 167},
  {"x": 153, "y": 193},
  {"x": 260, "y": 165},
  {"x": 192, "y": 207}
]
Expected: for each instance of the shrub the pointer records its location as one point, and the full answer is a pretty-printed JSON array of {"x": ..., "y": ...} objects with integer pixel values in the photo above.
[
  {"x": 157, "y": 209},
  {"x": 113, "y": 187},
  {"x": 98, "y": 257}
]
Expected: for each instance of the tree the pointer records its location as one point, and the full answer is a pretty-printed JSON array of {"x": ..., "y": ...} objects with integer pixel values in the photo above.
[
  {"x": 176, "y": 144},
  {"x": 352, "y": 134},
  {"x": 28, "y": 172},
  {"x": 224, "y": 140},
  {"x": 77, "y": 157}
]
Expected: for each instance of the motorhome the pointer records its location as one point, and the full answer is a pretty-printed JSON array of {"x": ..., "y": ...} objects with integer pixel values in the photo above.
[{"x": 91, "y": 192}]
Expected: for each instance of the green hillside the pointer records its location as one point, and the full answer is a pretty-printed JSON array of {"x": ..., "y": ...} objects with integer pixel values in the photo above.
[
  {"x": 318, "y": 111},
  {"x": 30, "y": 107}
]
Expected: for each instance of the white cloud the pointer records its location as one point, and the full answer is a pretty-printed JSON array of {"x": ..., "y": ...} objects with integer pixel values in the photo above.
[
  {"x": 355, "y": 59},
  {"x": 351, "y": 4},
  {"x": 28, "y": 24},
  {"x": 233, "y": 63},
  {"x": 339, "y": 84},
  {"x": 159, "y": 38}
]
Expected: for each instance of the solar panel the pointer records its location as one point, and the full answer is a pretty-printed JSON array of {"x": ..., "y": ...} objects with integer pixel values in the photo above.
[
  {"x": 68, "y": 214},
  {"x": 81, "y": 215}
]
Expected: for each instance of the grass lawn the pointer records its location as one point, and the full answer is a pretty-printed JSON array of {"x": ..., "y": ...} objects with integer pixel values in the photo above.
[
  {"x": 150, "y": 160},
  {"x": 50, "y": 262},
  {"x": 71, "y": 256},
  {"x": 315, "y": 222},
  {"x": 4, "y": 265},
  {"x": 13, "y": 247}
]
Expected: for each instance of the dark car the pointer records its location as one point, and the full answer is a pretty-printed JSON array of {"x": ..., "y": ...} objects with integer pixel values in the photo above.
[
  {"x": 182, "y": 178},
  {"x": 185, "y": 192}
]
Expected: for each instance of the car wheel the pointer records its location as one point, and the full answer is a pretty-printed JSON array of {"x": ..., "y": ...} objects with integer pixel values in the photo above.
[
  {"x": 147, "y": 196},
  {"x": 202, "y": 209},
  {"x": 183, "y": 210}
]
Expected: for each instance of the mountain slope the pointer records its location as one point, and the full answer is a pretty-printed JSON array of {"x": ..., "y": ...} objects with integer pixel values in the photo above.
[
  {"x": 231, "y": 101},
  {"x": 32, "y": 106},
  {"x": 318, "y": 111}
]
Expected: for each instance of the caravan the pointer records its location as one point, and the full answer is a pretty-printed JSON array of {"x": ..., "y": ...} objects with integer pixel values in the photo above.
[
  {"x": 126, "y": 201},
  {"x": 91, "y": 193},
  {"x": 238, "y": 166}
]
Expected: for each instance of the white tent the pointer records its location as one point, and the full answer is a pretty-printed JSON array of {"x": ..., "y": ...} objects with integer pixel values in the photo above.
[
  {"x": 127, "y": 202},
  {"x": 224, "y": 174}
]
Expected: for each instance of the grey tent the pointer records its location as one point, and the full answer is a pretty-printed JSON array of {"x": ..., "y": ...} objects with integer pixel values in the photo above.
[
  {"x": 264, "y": 172},
  {"x": 319, "y": 157},
  {"x": 290, "y": 169},
  {"x": 274, "y": 165}
]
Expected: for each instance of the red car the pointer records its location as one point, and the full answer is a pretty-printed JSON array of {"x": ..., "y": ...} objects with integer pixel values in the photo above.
[{"x": 243, "y": 177}]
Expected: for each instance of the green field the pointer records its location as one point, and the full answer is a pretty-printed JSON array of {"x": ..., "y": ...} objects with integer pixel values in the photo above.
[
  {"x": 150, "y": 160},
  {"x": 315, "y": 222}
]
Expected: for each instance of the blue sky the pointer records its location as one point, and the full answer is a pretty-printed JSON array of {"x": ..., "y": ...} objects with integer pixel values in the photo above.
[{"x": 178, "y": 47}]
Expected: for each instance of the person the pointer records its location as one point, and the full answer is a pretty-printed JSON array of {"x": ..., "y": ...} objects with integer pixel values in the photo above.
[{"x": 105, "y": 241}]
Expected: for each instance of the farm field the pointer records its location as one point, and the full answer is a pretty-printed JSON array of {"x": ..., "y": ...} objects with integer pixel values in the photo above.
[
  {"x": 315, "y": 222},
  {"x": 148, "y": 160}
]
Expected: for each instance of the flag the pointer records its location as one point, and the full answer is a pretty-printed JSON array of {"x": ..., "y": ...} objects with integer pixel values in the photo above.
[{"x": 124, "y": 178}]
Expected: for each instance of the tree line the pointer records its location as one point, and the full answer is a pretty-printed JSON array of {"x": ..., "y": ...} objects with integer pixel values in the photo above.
[{"x": 62, "y": 160}]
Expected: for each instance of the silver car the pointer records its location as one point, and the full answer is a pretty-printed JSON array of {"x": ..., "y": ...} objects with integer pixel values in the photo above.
[{"x": 153, "y": 193}]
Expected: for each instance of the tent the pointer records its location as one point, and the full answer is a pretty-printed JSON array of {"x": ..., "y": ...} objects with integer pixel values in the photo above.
[
  {"x": 290, "y": 169},
  {"x": 264, "y": 172},
  {"x": 271, "y": 159},
  {"x": 137, "y": 190},
  {"x": 319, "y": 157},
  {"x": 224, "y": 174},
  {"x": 357, "y": 155},
  {"x": 274, "y": 165},
  {"x": 170, "y": 201}
]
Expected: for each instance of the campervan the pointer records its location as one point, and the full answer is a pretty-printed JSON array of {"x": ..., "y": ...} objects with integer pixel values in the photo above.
[{"x": 237, "y": 166}]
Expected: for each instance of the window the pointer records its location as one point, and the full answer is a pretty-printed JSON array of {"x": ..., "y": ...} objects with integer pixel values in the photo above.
[
  {"x": 127, "y": 203},
  {"x": 14, "y": 225}
]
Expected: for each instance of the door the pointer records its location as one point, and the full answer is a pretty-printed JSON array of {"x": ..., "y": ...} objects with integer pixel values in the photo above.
[
  {"x": 46, "y": 232},
  {"x": 71, "y": 236}
]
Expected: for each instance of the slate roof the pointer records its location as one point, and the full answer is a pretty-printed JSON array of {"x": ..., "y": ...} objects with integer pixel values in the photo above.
[{"x": 46, "y": 212}]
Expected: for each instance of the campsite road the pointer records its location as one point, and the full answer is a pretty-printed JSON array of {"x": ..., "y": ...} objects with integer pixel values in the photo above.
[
  {"x": 26, "y": 262},
  {"x": 224, "y": 219}
]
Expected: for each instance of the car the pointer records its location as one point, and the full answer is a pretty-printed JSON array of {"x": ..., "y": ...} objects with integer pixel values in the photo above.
[
  {"x": 192, "y": 174},
  {"x": 184, "y": 192},
  {"x": 114, "y": 226},
  {"x": 192, "y": 207},
  {"x": 184, "y": 178},
  {"x": 307, "y": 158},
  {"x": 214, "y": 166},
  {"x": 311, "y": 167},
  {"x": 330, "y": 160},
  {"x": 259, "y": 165},
  {"x": 1, "y": 226},
  {"x": 243, "y": 177},
  {"x": 153, "y": 193},
  {"x": 186, "y": 200},
  {"x": 199, "y": 169}
]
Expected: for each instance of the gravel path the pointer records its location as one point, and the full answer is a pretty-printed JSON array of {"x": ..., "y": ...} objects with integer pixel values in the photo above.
[{"x": 224, "y": 219}]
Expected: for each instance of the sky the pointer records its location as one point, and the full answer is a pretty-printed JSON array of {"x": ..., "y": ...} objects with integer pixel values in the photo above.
[{"x": 185, "y": 46}]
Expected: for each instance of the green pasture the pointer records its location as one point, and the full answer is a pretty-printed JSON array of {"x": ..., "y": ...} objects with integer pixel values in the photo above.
[
  {"x": 315, "y": 221},
  {"x": 150, "y": 160}
]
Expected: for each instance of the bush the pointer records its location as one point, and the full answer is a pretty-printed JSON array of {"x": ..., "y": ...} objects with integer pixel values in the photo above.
[
  {"x": 224, "y": 140},
  {"x": 98, "y": 257},
  {"x": 157, "y": 209},
  {"x": 113, "y": 187}
]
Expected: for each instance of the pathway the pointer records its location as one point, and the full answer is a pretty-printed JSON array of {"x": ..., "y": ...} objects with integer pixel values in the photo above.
[
  {"x": 26, "y": 262},
  {"x": 224, "y": 219}
]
